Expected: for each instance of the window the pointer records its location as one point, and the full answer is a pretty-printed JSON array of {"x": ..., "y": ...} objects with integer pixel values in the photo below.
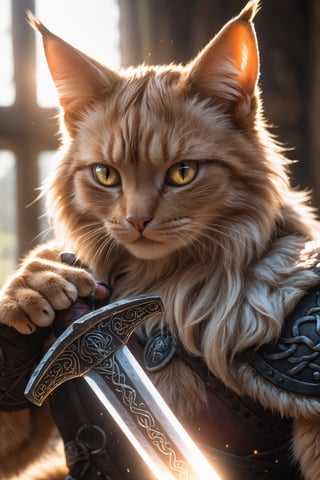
[
  {"x": 27, "y": 107},
  {"x": 80, "y": 26},
  {"x": 8, "y": 238},
  {"x": 7, "y": 91}
]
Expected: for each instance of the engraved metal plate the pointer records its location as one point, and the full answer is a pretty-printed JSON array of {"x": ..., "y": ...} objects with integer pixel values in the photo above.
[
  {"x": 160, "y": 348},
  {"x": 88, "y": 342},
  {"x": 292, "y": 362}
]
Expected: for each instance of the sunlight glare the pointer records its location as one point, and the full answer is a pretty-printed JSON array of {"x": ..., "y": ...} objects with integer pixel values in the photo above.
[
  {"x": 7, "y": 164},
  {"x": 7, "y": 90},
  {"x": 8, "y": 214},
  {"x": 92, "y": 27}
]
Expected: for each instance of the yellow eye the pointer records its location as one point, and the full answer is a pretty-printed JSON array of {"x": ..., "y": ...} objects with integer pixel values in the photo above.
[
  {"x": 182, "y": 173},
  {"x": 106, "y": 176}
]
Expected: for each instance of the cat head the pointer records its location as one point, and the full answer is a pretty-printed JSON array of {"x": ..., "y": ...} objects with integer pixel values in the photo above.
[{"x": 165, "y": 158}]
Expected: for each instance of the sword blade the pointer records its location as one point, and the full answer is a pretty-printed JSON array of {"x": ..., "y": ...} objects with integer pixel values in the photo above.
[
  {"x": 93, "y": 347},
  {"x": 127, "y": 393}
]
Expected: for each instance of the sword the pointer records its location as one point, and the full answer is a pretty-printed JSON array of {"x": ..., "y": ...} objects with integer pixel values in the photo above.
[{"x": 94, "y": 347}]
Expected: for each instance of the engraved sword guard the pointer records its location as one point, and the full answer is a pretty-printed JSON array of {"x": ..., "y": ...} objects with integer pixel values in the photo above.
[{"x": 89, "y": 341}]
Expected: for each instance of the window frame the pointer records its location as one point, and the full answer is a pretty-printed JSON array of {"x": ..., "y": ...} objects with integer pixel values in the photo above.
[{"x": 26, "y": 128}]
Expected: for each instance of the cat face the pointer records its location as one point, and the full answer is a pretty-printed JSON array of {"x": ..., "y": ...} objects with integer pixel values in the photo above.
[
  {"x": 159, "y": 170},
  {"x": 152, "y": 170},
  {"x": 161, "y": 158}
]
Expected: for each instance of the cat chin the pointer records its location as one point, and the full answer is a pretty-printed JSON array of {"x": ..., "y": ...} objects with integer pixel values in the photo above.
[{"x": 149, "y": 250}]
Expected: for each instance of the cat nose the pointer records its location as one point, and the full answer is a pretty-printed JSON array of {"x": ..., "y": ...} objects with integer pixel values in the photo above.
[{"x": 139, "y": 223}]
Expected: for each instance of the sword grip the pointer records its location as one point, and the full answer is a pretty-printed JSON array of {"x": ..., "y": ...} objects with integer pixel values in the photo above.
[{"x": 64, "y": 318}]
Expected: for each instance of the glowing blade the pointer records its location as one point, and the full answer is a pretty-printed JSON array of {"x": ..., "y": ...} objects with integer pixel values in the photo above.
[{"x": 129, "y": 396}]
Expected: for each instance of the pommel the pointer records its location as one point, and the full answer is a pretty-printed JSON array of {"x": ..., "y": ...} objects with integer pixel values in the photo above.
[{"x": 89, "y": 341}]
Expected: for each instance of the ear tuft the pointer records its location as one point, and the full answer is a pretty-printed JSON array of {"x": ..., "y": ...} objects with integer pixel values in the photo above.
[
  {"x": 35, "y": 23},
  {"x": 250, "y": 10}
]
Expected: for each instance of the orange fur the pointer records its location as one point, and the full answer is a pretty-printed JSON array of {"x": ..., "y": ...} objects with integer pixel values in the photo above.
[{"x": 229, "y": 253}]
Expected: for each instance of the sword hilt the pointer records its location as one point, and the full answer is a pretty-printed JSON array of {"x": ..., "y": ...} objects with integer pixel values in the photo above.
[{"x": 89, "y": 341}]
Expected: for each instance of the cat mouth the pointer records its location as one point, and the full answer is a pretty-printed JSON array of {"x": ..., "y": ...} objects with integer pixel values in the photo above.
[
  {"x": 142, "y": 240},
  {"x": 148, "y": 249}
]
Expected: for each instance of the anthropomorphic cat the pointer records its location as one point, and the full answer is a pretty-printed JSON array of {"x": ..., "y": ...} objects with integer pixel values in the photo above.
[{"x": 170, "y": 183}]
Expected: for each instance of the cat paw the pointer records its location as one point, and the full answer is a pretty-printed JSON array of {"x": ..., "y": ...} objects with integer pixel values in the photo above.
[{"x": 31, "y": 296}]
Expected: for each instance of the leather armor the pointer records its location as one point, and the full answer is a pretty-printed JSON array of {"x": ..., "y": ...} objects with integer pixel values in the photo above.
[
  {"x": 19, "y": 355},
  {"x": 243, "y": 440},
  {"x": 292, "y": 362}
]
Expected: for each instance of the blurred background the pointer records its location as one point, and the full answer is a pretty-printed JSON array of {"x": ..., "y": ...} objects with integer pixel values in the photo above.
[{"x": 127, "y": 32}]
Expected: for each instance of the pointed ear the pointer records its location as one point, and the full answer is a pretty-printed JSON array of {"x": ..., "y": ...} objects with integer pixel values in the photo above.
[
  {"x": 79, "y": 79},
  {"x": 226, "y": 70}
]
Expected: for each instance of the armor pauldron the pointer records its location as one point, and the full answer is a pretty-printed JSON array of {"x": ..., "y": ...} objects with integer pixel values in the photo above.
[{"x": 292, "y": 362}]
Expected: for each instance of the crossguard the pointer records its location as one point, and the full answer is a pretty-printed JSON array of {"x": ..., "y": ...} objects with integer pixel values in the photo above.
[{"x": 89, "y": 341}]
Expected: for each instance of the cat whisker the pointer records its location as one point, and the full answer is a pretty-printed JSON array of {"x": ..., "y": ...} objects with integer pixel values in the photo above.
[
  {"x": 94, "y": 237},
  {"x": 43, "y": 234},
  {"x": 221, "y": 231},
  {"x": 86, "y": 226},
  {"x": 106, "y": 247},
  {"x": 213, "y": 241}
]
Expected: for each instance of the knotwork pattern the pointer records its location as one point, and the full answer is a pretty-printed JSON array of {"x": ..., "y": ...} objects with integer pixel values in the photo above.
[
  {"x": 292, "y": 362},
  {"x": 113, "y": 372}
]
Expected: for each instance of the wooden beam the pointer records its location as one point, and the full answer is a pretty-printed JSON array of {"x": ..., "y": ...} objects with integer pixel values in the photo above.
[
  {"x": 314, "y": 106},
  {"x": 39, "y": 125},
  {"x": 26, "y": 128}
]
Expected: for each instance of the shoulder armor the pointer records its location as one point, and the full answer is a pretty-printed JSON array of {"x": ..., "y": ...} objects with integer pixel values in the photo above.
[{"x": 292, "y": 362}]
